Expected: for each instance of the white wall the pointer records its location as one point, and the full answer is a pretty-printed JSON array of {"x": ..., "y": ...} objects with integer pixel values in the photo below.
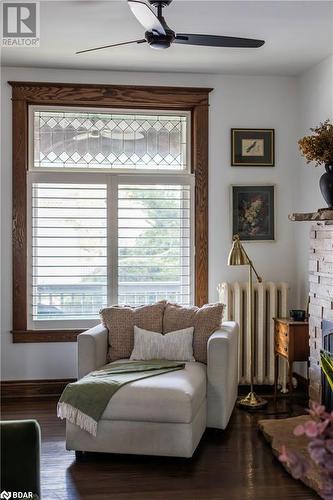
[
  {"x": 237, "y": 101},
  {"x": 315, "y": 105}
]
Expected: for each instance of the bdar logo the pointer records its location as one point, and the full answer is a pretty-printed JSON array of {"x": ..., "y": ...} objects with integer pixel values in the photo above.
[{"x": 5, "y": 494}]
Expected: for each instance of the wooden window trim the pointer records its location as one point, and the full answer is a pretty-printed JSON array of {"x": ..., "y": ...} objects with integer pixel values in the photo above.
[{"x": 195, "y": 100}]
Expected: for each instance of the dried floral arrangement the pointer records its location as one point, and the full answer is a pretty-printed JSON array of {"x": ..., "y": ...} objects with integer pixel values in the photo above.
[
  {"x": 318, "y": 147},
  {"x": 319, "y": 430}
]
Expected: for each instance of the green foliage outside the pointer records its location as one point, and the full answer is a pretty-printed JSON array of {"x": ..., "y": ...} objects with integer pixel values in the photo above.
[
  {"x": 158, "y": 243},
  {"x": 326, "y": 363}
]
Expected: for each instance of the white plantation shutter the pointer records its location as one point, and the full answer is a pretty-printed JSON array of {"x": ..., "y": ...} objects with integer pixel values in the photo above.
[
  {"x": 69, "y": 250},
  {"x": 154, "y": 243}
]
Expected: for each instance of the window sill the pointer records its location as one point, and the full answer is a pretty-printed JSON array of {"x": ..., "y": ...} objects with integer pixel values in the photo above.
[{"x": 36, "y": 336}]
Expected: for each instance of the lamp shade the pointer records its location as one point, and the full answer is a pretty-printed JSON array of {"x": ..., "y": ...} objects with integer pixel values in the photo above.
[{"x": 237, "y": 255}]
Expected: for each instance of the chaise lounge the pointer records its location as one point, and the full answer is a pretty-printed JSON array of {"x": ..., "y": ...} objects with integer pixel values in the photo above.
[{"x": 164, "y": 415}]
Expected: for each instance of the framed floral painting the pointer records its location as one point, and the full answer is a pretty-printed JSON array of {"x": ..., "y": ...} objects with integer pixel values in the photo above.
[{"x": 253, "y": 217}]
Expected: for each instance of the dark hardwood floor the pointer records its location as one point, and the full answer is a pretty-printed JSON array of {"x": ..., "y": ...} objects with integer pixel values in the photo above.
[{"x": 234, "y": 464}]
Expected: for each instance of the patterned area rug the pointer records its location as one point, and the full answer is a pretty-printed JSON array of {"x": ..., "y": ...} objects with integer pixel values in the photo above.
[{"x": 279, "y": 432}]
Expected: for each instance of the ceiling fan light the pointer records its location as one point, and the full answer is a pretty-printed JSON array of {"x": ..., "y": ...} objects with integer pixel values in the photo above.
[{"x": 160, "y": 45}]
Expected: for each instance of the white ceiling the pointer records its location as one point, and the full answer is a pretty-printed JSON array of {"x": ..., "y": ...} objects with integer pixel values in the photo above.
[{"x": 298, "y": 34}]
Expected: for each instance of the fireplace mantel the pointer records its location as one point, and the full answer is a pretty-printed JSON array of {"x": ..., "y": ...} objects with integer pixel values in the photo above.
[{"x": 322, "y": 214}]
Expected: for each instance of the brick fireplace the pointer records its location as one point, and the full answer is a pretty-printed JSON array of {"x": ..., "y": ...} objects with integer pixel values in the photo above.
[{"x": 321, "y": 297}]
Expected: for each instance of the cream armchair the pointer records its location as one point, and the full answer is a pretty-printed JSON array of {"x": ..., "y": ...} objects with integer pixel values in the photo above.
[{"x": 163, "y": 415}]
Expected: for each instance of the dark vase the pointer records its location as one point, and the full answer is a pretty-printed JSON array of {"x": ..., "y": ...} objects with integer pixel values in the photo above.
[{"x": 326, "y": 185}]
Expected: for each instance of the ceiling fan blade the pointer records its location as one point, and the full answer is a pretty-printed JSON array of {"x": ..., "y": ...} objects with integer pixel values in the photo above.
[
  {"x": 113, "y": 45},
  {"x": 217, "y": 41},
  {"x": 146, "y": 17}
]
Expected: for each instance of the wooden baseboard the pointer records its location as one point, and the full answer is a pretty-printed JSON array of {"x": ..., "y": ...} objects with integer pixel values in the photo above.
[
  {"x": 54, "y": 387},
  {"x": 32, "y": 388}
]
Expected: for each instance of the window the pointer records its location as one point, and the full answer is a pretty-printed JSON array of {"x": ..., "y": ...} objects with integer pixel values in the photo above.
[
  {"x": 100, "y": 238},
  {"x": 96, "y": 140},
  {"x": 110, "y": 198}
]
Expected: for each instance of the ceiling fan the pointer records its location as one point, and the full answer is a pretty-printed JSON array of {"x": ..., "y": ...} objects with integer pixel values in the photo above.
[{"x": 160, "y": 36}]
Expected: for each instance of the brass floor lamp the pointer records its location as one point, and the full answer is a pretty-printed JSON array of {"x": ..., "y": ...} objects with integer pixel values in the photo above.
[{"x": 239, "y": 257}]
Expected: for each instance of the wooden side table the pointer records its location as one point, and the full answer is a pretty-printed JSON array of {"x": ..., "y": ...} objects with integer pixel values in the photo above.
[{"x": 291, "y": 341}]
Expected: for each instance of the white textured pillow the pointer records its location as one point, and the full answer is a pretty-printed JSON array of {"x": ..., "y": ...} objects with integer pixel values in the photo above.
[{"x": 176, "y": 346}]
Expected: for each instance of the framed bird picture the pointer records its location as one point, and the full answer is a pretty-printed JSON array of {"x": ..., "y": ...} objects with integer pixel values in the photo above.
[{"x": 252, "y": 147}]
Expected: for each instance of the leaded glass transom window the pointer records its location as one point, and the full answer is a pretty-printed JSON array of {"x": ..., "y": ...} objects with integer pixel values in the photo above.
[{"x": 95, "y": 139}]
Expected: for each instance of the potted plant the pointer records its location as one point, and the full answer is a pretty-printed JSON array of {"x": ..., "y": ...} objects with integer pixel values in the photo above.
[{"x": 318, "y": 148}]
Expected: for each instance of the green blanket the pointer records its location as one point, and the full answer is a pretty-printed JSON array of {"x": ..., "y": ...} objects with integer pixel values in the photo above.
[{"x": 83, "y": 402}]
